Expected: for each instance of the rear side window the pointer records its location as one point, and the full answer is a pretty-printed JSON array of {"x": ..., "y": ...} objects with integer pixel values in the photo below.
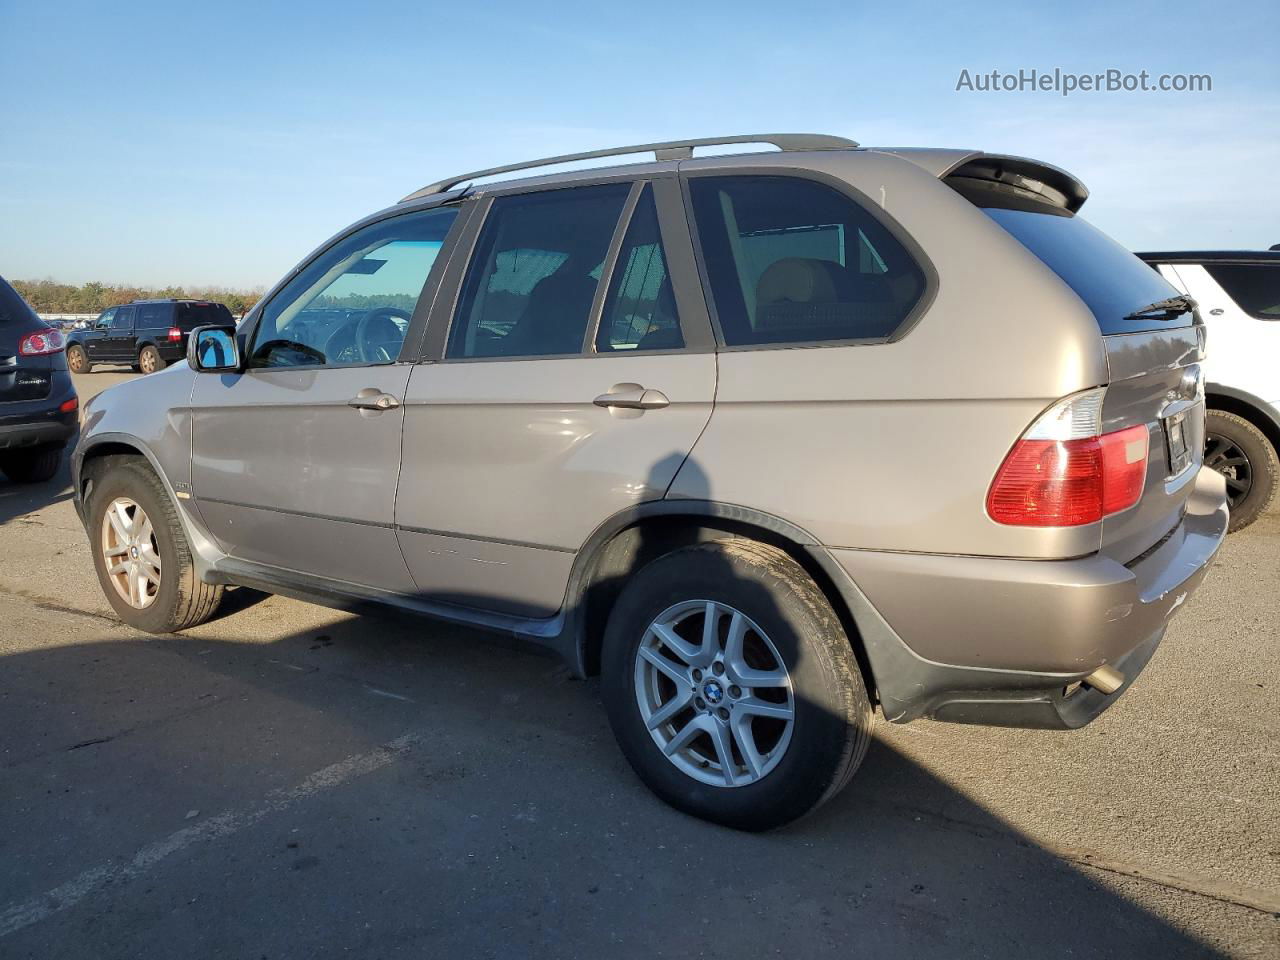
[
  {"x": 533, "y": 277},
  {"x": 640, "y": 311},
  {"x": 123, "y": 319},
  {"x": 795, "y": 261},
  {"x": 192, "y": 315},
  {"x": 1254, "y": 286},
  {"x": 154, "y": 315},
  {"x": 1111, "y": 281}
]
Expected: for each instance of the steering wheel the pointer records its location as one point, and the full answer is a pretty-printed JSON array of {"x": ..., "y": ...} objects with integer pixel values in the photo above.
[{"x": 372, "y": 349}]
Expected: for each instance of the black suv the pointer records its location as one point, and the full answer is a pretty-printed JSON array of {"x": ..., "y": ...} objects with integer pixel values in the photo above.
[
  {"x": 146, "y": 334},
  {"x": 38, "y": 404}
]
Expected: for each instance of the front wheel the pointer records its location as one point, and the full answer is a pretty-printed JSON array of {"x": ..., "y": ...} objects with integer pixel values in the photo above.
[
  {"x": 1244, "y": 456},
  {"x": 731, "y": 686},
  {"x": 77, "y": 359},
  {"x": 140, "y": 552}
]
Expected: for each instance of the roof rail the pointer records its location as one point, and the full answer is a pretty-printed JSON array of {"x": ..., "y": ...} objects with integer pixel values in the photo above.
[{"x": 667, "y": 150}]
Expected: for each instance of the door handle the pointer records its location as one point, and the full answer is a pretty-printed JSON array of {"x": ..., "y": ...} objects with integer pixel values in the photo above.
[
  {"x": 371, "y": 398},
  {"x": 632, "y": 396},
  {"x": 1216, "y": 312}
]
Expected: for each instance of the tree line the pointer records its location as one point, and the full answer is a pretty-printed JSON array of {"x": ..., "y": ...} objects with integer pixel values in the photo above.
[{"x": 47, "y": 296}]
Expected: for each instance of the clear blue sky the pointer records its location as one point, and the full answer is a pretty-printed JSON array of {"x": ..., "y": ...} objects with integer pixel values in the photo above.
[{"x": 161, "y": 142}]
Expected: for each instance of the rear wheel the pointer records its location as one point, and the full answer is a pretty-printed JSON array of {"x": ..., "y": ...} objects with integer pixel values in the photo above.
[
  {"x": 731, "y": 686},
  {"x": 77, "y": 359},
  {"x": 149, "y": 359},
  {"x": 140, "y": 552},
  {"x": 1244, "y": 456},
  {"x": 31, "y": 466}
]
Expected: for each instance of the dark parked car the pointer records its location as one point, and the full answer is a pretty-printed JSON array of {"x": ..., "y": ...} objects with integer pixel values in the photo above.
[
  {"x": 38, "y": 404},
  {"x": 146, "y": 334}
]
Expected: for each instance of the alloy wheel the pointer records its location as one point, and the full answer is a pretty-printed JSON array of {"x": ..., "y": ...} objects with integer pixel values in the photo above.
[
  {"x": 714, "y": 693},
  {"x": 1226, "y": 456},
  {"x": 131, "y": 553}
]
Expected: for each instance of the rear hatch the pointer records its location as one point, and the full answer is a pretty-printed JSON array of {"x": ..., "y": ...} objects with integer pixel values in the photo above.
[
  {"x": 22, "y": 378},
  {"x": 1153, "y": 336}
]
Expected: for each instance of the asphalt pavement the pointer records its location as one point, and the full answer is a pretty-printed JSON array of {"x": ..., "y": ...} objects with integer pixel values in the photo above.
[{"x": 291, "y": 781}]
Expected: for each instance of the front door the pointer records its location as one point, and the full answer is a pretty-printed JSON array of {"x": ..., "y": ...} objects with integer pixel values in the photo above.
[
  {"x": 295, "y": 460},
  {"x": 577, "y": 373},
  {"x": 96, "y": 336},
  {"x": 116, "y": 345}
]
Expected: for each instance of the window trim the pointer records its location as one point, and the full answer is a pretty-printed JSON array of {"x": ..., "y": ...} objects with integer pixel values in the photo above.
[
  {"x": 851, "y": 193},
  {"x": 410, "y": 347}
]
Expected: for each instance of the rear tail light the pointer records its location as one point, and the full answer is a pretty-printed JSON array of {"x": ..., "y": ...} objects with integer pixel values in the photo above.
[
  {"x": 68, "y": 405},
  {"x": 175, "y": 334},
  {"x": 41, "y": 343},
  {"x": 1064, "y": 471}
]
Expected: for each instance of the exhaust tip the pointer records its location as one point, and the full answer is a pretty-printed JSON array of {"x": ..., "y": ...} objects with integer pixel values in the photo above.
[{"x": 1105, "y": 679}]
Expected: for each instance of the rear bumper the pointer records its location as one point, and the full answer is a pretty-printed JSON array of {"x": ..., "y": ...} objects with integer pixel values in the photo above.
[
  {"x": 39, "y": 423},
  {"x": 984, "y": 640}
]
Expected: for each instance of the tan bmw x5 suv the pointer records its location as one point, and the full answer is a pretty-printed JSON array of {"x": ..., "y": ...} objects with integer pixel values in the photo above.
[{"x": 768, "y": 440}]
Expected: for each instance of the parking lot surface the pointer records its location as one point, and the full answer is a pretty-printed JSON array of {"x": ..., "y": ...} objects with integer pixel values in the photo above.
[{"x": 291, "y": 781}]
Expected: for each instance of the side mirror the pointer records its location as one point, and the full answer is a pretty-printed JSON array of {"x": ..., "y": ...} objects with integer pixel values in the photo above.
[{"x": 213, "y": 350}]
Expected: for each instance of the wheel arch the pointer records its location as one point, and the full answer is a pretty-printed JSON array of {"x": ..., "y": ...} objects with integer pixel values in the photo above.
[
  {"x": 1257, "y": 411},
  {"x": 105, "y": 445},
  {"x": 634, "y": 537}
]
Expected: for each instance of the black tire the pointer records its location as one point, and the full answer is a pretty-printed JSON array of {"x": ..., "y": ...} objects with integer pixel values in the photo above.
[
  {"x": 32, "y": 466},
  {"x": 1243, "y": 454},
  {"x": 182, "y": 600},
  {"x": 149, "y": 360},
  {"x": 77, "y": 359},
  {"x": 832, "y": 723}
]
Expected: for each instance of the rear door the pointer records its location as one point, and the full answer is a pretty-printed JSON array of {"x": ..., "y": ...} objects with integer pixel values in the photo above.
[
  {"x": 295, "y": 461},
  {"x": 567, "y": 379},
  {"x": 1154, "y": 362}
]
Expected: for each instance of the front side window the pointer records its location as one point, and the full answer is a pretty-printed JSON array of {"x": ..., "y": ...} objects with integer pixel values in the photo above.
[
  {"x": 640, "y": 310},
  {"x": 351, "y": 306},
  {"x": 1254, "y": 286},
  {"x": 794, "y": 261},
  {"x": 533, "y": 277},
  {"x": 105, "y": 319}
]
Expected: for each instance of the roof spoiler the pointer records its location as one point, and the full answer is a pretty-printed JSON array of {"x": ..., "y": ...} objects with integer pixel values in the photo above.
[{"x": 1019, "y": 177}]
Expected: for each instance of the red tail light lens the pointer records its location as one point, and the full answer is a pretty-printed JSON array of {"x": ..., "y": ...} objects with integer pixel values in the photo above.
[
  {"x": 174, "y": 334},
  {"x": 69, "y": 405},
  {"x": 1066, "y": 483},
  {"x": 41, "y": 343}
]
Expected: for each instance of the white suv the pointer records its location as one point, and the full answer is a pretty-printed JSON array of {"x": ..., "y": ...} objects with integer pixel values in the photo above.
[{"x": 1239, "y": 297}]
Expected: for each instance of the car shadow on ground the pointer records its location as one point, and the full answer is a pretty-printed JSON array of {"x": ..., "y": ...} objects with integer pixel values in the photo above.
[
  {"x": 17, "y": 499},
  {"x": 505, "y": 823}
]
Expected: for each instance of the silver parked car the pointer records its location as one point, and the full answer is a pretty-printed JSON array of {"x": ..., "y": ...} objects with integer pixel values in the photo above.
[{"x": 765, "y": 439}]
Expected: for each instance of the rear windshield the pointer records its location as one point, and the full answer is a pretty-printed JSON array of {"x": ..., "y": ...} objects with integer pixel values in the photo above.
[
  {"x": 1254, "y": 286},
  {"x": 13, "y": 309},
  {"x": 1111, "y": 281},
  {"x": 198, "y": 314}
]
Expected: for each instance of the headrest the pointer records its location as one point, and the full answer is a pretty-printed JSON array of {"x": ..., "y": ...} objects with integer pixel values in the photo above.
[{"x": 801, "y": 280}]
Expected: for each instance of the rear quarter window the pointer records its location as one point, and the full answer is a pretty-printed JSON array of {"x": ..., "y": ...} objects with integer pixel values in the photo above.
[
  {"x": 1255, "y": 287},
  {"x": 794, "y": 261},
  {"x": 191, "y": 315}
]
